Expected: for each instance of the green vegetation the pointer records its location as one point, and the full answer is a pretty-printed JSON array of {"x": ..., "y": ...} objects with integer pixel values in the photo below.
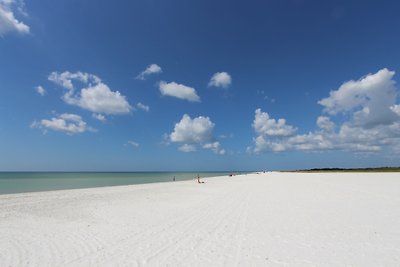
[{"x": 380, "y": 169}]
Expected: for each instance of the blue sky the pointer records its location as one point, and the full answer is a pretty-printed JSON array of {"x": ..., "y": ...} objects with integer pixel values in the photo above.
[{"x": 198, "y": 85}]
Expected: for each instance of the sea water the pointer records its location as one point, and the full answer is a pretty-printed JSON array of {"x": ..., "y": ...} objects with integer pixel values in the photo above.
[{"x": 19, "y": 182}]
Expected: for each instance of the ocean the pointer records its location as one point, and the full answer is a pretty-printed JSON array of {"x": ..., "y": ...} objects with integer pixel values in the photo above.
[{"x": 20, "y": 182}]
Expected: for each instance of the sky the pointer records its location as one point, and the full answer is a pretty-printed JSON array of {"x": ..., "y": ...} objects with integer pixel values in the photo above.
[{"x": 151, "y": 85}]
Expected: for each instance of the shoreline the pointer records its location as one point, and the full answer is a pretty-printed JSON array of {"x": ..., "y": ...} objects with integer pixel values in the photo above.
[
  {"x": 12, "y": 183},
  {"x": 192, "y": 180}
]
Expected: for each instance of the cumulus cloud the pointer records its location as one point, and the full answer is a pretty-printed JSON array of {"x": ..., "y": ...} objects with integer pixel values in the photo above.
[
  {"x": 268, "y": 131},
  {"x": 40, "y": 90},
  {"x": 95, "y": 95},
  {"x": 371, "y": 122},
  {"x": 188, "y": 130},
  {"x": 151, "y": 69},
  {"x": 195, "y": 132},
  {"x": 143, "y": 107},
  {"x": 8, "y": 21},
  {"x": 368, "y": 99},
  {"x": 317, "y": 141},
  {"x": 179, "y": 91},
  {"x": 220, "y": 79},
  {"x": 66, "y": 123},
  {"x": 100, "y": 98},
  {"x": 266, "y": 126}
]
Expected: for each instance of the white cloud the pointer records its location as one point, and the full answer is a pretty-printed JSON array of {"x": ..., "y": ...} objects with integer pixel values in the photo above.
[
  {"x": 216, "y": 147},
  {"x": 67, "y": 123},
  {"x": 187, "y": 148},
  {"x": 192, "y": 132},
  {"x": 143, "y": 107},
  {"x": 264, "y": 125},
  {"x": 348, "y": 138},
  {"x": 65, "y": 78},
  {"x": 310, "y": 142},
  {"x": 134, "y": 144},
  {"x": 151, "y": 69},
  {"x": 99, "y": 117},
  {"x": 96, "y": 96},
  {"x": 197, "y": 130},
  {"x": 368, "y": 99},
  {"x": 325, "y": 123},
  {"x": 220, "y": 79},
  {"x": 8, "y": 22},
  {"x": 40, "y": 90},
  {"x": 370, "y": 124},
  {"x": 100, "y": 98},
  {"x": 262, "y": 145},
  {"x": 179, "y": 91}
]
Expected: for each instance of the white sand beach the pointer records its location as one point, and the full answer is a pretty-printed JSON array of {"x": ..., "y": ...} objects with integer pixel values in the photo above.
[{"x": 271, "y": 219}]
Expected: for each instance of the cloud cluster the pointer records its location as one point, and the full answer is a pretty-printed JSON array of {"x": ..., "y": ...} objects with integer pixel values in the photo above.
[
  {"x": 151, "y": 69},
  {"x": 367, "y": 110},
  {"x": 8, "y": 22},
  {"x": 95, "y": 95},
  {"x": 193, "y": 132},
  {"x": 220, "y": 79},
  {"x": 179, "y": 91},
  {"x": 66, "y": 123}
]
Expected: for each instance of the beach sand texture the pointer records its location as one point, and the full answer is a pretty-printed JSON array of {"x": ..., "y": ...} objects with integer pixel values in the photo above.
[{"x": 271, "y": 219}]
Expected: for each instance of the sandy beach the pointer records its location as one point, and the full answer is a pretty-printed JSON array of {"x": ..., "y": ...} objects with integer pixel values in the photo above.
[{"x": 271, "y": 219}]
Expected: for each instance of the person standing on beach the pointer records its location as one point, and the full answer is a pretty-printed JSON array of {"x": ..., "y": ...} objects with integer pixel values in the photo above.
[{"x": 173, "y": 179}]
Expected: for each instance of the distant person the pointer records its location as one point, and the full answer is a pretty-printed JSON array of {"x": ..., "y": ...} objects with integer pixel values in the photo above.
[
  {"x": 198, "y": 179},
  {"x": 173, "y": 179}
]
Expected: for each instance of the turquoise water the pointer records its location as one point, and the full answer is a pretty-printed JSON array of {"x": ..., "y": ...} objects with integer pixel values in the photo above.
[{"x": 19, "y": 182}]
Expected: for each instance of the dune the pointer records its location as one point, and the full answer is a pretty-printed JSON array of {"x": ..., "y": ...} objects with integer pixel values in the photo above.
[{"x": 271, "y": 219}]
